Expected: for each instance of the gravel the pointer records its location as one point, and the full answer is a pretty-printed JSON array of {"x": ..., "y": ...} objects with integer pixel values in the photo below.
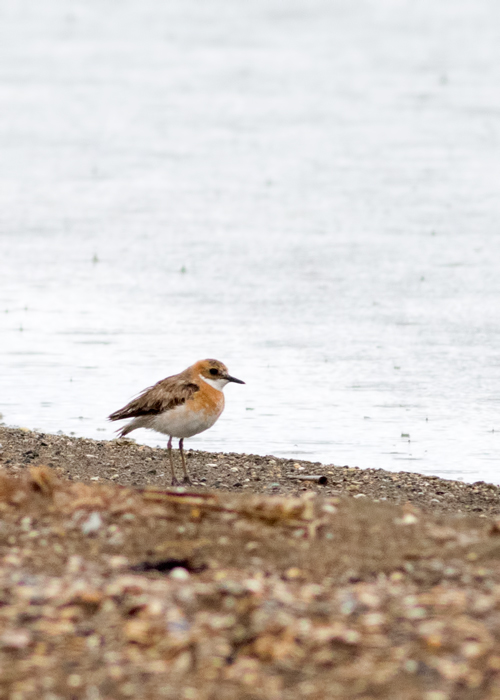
[{"x": 114, "y": 585}]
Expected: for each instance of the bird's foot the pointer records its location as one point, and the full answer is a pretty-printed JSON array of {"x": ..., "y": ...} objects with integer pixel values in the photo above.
[
  {"x": 186, "y": 480},
  {"x": 174, "y": 482}
]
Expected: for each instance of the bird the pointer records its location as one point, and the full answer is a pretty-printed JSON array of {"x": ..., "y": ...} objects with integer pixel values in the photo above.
[{"x": 179, "y": 406}]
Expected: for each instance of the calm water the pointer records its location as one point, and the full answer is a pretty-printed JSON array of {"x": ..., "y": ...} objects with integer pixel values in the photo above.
[{"x": 306, "y": 190}]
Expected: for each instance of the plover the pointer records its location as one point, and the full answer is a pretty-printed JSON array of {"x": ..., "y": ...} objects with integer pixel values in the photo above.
[{"x": 180, "y": 406}]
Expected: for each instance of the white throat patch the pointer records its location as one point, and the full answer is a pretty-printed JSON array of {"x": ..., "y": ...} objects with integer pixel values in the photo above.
[{"x": 217, "y": 382}]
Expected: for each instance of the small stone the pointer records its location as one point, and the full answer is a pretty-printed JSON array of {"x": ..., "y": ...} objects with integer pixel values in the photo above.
[
  {"x": 411, "y": 666},
  {"x": 26, "y": 524},
  {"x": 328, "y": 508},
  {"x": 179, "y": 574},
  {"x": 74, "y": 680},
  {"x": 293, "y": 573},
  {"x": 15, "y": 639},
  {"x": 138, "y": 631},
  {"x": 118, "y": 562},
  {"x": 92, "y": 524}
]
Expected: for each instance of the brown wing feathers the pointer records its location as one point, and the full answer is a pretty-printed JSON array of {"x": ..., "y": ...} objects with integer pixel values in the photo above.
[{"x": 161, "y": 397}]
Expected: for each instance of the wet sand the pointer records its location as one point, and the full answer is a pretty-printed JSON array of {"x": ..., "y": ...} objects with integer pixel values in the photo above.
[{"x": 250, "y": 583}]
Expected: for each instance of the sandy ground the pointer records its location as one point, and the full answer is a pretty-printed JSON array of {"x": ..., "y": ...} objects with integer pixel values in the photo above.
[{"x": 250, "y": 583}]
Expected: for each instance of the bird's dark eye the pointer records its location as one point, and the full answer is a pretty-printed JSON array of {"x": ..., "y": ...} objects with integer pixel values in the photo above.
[{"x": 214, "y": 371}]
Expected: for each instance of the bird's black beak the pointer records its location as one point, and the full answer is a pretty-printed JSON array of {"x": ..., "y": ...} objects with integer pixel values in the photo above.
[{"x": 233, "y": 379}]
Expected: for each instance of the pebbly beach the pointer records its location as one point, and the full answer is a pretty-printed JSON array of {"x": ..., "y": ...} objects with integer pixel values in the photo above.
[{"x": 265, "y": 578}]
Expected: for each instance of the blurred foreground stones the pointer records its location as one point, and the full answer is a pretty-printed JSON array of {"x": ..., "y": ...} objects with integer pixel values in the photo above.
[{"x": 110, "y": 592}]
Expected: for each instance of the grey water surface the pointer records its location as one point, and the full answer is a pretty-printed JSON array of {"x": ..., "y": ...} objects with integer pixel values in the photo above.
[{"x": 306, "y": 190}]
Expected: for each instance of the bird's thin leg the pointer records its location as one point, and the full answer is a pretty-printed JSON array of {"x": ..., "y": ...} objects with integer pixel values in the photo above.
[
  {"x": 187, "y": 480},
  {"x": 169, "y": 447}
]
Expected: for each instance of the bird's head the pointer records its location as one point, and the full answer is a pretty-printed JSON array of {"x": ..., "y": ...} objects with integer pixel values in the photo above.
[{"x": 215, "y": 373}]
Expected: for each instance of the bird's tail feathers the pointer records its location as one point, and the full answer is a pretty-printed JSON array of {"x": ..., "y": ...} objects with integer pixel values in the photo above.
[{"x": 125, "y": 430}]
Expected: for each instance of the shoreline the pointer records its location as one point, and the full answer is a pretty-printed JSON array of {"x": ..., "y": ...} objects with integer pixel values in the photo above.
[
  {"x": 123, "y": 461},
  {"x": 114, "y": 585}
]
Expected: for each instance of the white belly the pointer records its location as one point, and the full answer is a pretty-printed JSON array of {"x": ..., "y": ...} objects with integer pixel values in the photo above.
[{"x": 180, "y": 422}]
